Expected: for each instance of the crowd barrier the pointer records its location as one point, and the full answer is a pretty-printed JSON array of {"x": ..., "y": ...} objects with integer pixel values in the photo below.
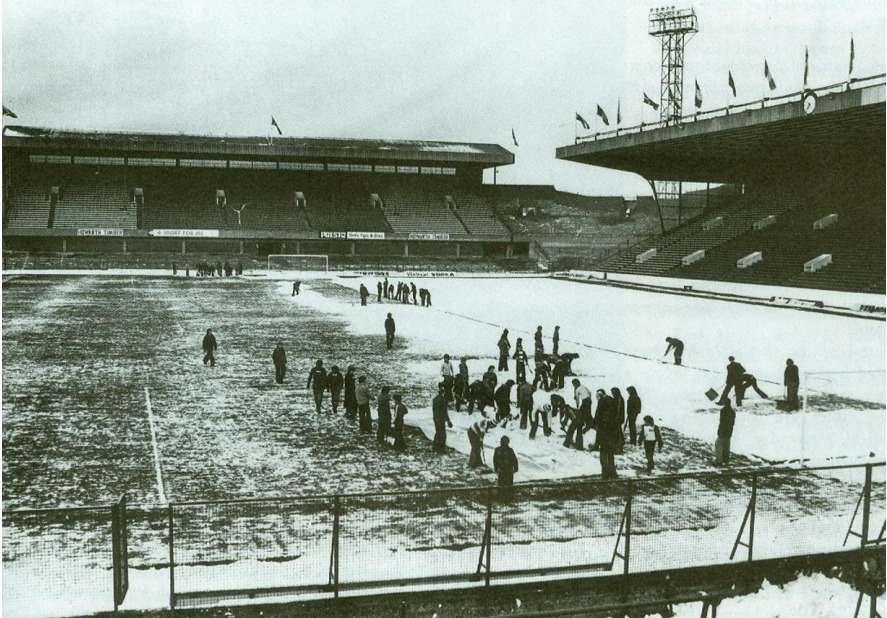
[{"x": 206, "y": 553}]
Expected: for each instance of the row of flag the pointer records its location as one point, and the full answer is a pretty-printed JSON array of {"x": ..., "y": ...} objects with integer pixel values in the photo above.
[{"x": 768, "y": 76}]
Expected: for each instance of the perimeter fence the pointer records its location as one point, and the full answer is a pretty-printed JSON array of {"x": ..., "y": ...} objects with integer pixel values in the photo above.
[{"x": 67, "y": 562}]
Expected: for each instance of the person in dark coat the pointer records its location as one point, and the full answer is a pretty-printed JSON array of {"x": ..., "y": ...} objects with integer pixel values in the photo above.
[
  {"x": 734, "y": 379},
  {"x": 239, "y": 268},
  {"x": 441, "y": 421},
  {"x": 362, "y": 394},
  {"x": 525, "y": 392},
  {"x": 491, "y": 378},
  {"x": 725, "y": 433},
  {"x": 460, "y": 384},
  {"x": 678, "y": 346},
  {"x": 385, "y": 287},
  {"x": 279, "y": 358},
  {"x": 383, "y": 408},
  {"x": 350, "y": 394},
  {"x": 555, "y": 340},
  {"x": 209, "y": 348},
  {"x": 413, "y": 290},
  {"x": 542, "y": 373},
  {"x": 792, "y": 382},
  {"x": 480, "y": 393},
  {"x": 633, "y": 411},
  {"x": 297, "y": 285},
  {"x": 537, "y": 339},
  {"x": 521, "y": 361},
  {"x": 364, "y": 294},
  {"x": 389, "y": 331},
  {"x": 619, "y": 401},
  {"x": 568, "y": 358},
  {"x": 378, "y": 291},
  {"x": 505, "y": 466},
  {"x": 174, "y": 270},
  {"x": 503, "y": 401},
  {"x": 427, "y": 298},
  {"x": 317, "y": 383},
  {"x": 558, "y": 372},
  {"x": 334, "y": 382},
  {"x": 748, "y": 381},
  {"x": 400, "y": 411},
  {"x": 504, "y": 350},
  {"x": 390, "y": 291},
  {"x": 608, "y": 433}
]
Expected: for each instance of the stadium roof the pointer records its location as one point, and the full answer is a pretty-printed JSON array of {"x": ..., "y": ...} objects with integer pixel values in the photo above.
[
  {"x": 52, "y": 141},
  {"x": 748, "y": 142}
]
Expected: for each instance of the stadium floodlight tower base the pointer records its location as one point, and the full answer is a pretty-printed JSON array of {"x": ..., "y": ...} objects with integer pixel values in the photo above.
[{"x": 290, "y": 262}]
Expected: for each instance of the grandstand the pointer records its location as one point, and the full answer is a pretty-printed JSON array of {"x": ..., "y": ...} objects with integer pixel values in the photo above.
[
  {"x": 131, "y": 194},
  {"x": 811, "y": 185}
]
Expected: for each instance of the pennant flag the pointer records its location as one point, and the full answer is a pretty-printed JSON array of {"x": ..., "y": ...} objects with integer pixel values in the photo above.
[
  {"x": 730, "y": 82},
  {"x": 8, "y": 112},
  {"x": 698, "y": 95},
  {"x": 276, "y": 126},
  {"x": 618, "y": 112},
  {"x": 513, "y": 138},
  {"x": 806, "y": 66},
  {"x": 603, "y": 116},
  {"x": 650, "y": 102},
  {"x": 583, "y": 121},
  {"x": 852, "y": 56},
  {"x": 769, "y": 76}
]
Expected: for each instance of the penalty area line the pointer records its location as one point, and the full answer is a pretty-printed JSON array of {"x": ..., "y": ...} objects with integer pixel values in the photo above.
[{"x": 160, "y": 492}]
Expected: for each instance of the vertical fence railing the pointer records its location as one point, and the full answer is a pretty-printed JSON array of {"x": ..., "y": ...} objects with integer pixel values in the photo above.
[{"x": 361, "y": 542}]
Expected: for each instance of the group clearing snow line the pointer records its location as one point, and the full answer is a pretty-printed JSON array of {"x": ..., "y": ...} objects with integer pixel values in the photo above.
[{"x": 157, "y": 470}]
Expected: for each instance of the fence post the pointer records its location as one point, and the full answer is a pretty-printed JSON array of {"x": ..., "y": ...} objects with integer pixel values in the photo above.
[
  {"x": 754, "y": 509},
  {"x": 172, "y": 562},
  {"x": 489, "y": 534},
  {"x": 628, "y": 528},
  {"x": 334, "y": 552},
  {"x": 867, "y": 504}
]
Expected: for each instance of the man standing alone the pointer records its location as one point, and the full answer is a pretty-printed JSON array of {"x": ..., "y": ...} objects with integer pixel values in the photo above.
[
  {"x": 441, "y": 420},
  {"x": 504, "y": 350},
  {"x": 505, "y": 466},
  {"x": 209, "y": 348},
  {"x": 279, "y": 358},
  {"x": 792, "y": 382},
  {"x": 725, "y": 432},
  {"x": 389, "y": 331}
]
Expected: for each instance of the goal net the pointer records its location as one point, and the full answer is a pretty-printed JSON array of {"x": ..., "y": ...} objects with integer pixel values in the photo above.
[{"x": 298, "y": 263}]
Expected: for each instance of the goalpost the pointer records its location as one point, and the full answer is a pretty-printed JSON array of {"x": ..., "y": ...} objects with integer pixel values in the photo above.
[{"x": 288, "y": 262}]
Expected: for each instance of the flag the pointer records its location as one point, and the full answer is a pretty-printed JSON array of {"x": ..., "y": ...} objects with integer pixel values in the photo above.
[
  {"x": 852, "y": 56},
  {"x": 650, "y": 102},
  {"x": 8, "y": 112},
  {"x": 603, "y": 116},
  {"x": 513, "y": 138},
  {"x": 582, "y": 121},
  {"x": 769, "y": 76},
  {"x": 806, "y": 66},
  {"x": 698, "y": 95},
  {"x": 618, "y": 112},
  {"x": 730, "y": 82},
  {"x": 276, "y": 126}
]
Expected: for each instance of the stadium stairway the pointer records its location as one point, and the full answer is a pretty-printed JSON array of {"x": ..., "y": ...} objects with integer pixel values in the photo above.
[{"x": 29, "y": 206}]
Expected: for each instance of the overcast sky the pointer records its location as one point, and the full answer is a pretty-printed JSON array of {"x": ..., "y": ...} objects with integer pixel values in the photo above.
[{"x": 455, "y": 70}]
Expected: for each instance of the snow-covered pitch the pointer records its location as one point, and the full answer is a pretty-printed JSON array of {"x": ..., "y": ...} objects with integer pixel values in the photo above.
[{"x": 105, "y": 393}]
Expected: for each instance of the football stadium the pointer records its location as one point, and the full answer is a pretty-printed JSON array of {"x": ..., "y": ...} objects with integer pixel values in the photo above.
[{"x": 265, "y": 375}]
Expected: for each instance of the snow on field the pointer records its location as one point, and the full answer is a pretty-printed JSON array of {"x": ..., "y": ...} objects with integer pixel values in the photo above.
[
  {"x": 75, "y": 368},
  {"x": 620, "y": 336}
]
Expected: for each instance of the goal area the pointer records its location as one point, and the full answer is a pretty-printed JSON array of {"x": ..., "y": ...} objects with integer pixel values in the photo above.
[{"x": 282, "y": 262}]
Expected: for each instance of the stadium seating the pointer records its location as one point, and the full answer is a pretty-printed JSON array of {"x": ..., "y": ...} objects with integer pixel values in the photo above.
[
  {"x": 411, "y": 207},
  {"x": 29, "y": 206},
  {"x": 477, "y": 215},
  {"x": 95, "y": 204}
]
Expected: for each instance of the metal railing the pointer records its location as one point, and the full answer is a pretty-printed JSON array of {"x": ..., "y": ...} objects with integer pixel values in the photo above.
[
  {"x": 733, "y": 109},
  {"x": 321, "y": 546}
]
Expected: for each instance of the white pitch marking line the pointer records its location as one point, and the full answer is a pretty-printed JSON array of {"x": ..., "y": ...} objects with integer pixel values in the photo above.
[{"x": 160, "y": 491}]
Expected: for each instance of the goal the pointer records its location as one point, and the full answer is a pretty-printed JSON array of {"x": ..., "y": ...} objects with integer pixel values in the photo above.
[{"x": 282, "y": 262}]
